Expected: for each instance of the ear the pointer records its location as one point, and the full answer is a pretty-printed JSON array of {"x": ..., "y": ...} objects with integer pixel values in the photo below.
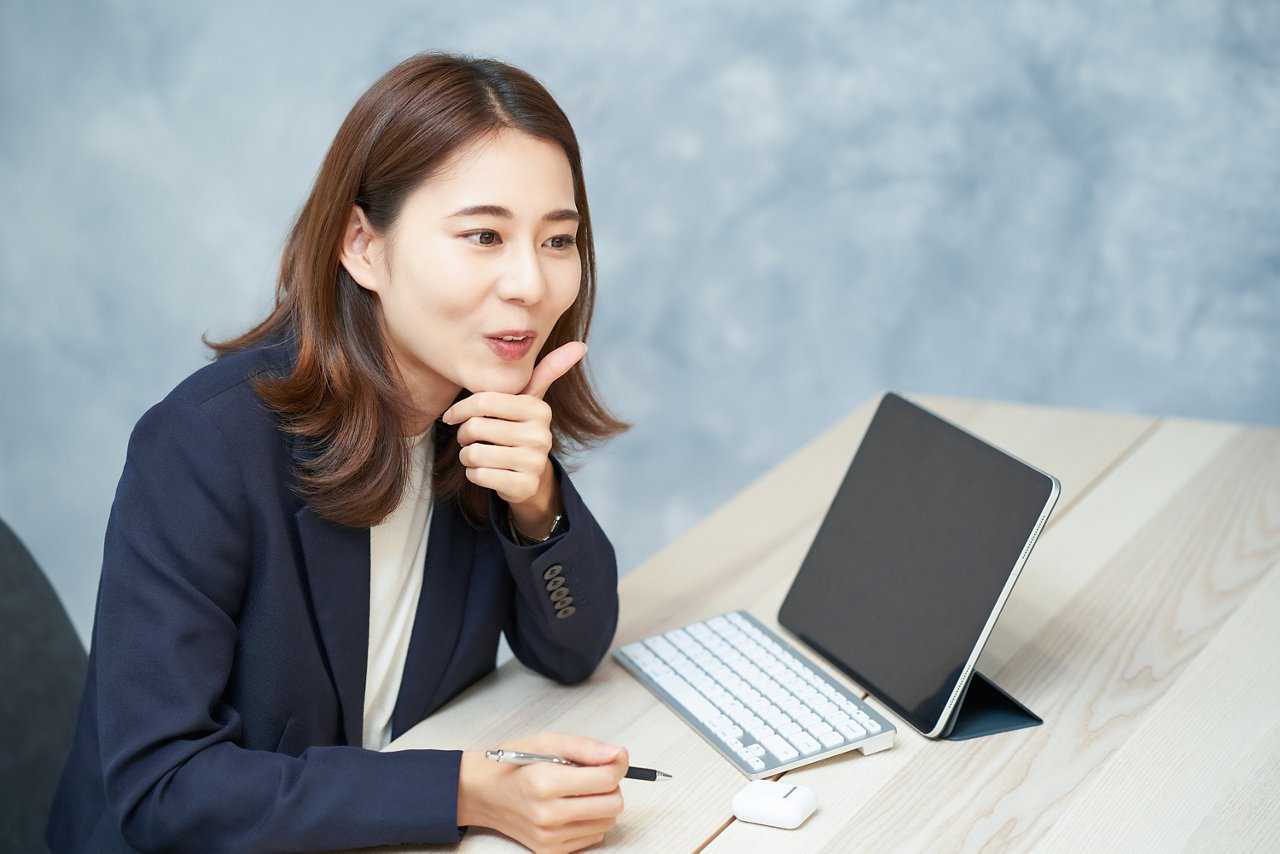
[{"x": 361, "y": 251}]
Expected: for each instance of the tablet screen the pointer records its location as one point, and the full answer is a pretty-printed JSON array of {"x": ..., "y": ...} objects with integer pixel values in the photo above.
[{"x": 915, "y": 557}]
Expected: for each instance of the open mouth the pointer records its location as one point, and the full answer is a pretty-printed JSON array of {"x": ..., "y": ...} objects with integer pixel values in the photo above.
[{"x": 512, "y": 345}]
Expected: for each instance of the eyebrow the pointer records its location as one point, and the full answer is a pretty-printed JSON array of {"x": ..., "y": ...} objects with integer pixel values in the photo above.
[{"x": 562, "y": 215}]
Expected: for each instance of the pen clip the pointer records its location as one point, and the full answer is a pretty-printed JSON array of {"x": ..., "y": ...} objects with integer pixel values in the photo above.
[{"x": 517, "y": 757}]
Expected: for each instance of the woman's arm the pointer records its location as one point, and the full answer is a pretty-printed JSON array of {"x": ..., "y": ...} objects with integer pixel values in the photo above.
[
  {"x": 566, "y": 608},
  {"x": 177, "y": 558}
]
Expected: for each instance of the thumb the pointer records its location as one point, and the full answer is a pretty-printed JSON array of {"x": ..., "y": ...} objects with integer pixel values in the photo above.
[
  {"x": 553, "y": 366},
  {"x": 578, "y": 748}
]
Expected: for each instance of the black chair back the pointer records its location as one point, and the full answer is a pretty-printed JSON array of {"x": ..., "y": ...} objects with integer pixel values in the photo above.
[{"x": 42, "y": 671}]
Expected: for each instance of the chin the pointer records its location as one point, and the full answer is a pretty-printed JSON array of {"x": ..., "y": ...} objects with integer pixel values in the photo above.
[{"x": 505, "y": 382}]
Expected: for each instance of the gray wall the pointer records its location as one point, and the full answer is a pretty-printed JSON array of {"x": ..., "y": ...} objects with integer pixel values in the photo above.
[{"x": 1074, "y": 204}]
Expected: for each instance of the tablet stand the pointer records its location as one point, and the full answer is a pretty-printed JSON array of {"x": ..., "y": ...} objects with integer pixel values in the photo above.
[{"x": 986, "y": 710}]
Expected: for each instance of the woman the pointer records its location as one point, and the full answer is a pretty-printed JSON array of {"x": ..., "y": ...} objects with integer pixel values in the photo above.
[{"x": 318, "y": 539}]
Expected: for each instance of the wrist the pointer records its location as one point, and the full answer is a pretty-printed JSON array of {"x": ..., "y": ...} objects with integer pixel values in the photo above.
[
  {"x": 520, "y": 538},
  {"x": 473, "y": 785},
  {"x": 541, "y": 516}
]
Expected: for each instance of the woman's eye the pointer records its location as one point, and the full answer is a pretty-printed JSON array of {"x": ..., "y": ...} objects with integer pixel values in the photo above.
[
  {"x": 484, "y": 238},
  {"x": 560, "y": 241}
]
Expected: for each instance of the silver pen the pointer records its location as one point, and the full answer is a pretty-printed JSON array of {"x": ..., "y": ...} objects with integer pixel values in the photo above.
[{"x": 516, "y": 757}]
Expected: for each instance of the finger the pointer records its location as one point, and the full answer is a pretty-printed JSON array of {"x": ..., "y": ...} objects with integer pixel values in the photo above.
[
  {"x": 512, "y": 434},
  {"x": 577, "y": 843},
  {"x": 495, "y": 404},
  {"x": 547, "y": 780},
  {"x": 553, "y": 366},
  {"x": 584, "y": 842},
  {"x": 577, "y": 748},
  {"x": 596, "y": 812},
  {"x": 580, "y": 834},
  {"x": 602, "y": 809},
  {"x": 517, "y": 459},
  {"x": 512, "y": 487},
  {"x": 566, "y": 838}
]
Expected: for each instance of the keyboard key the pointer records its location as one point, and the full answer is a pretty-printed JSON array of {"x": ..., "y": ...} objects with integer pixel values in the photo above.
[
  {"x": 681, "y": 639},
  {"x": 807, "y": 719},
  {"x": 721, "y": 724},
  {"x": 686, "y": 696},
  {"x": 827, "y": 710},
  {"x": 831, "y": 739},
  {"x": 779, "y": 747},
  {"x": 661, "y": 647},
  {"x": 718, "y": 624},
  {"x": 850, "y": 730},
  {"x": 804, "y": 742},
  {"x": 638, "y": 652}
]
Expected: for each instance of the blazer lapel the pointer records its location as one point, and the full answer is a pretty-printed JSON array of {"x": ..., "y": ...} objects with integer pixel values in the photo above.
[
  {"x": 446, "y": 576},
  {"x": 337, "y": 569}
]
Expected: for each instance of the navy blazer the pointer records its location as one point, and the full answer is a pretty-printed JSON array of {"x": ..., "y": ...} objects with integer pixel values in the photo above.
[{"x": 224, "y": 701}]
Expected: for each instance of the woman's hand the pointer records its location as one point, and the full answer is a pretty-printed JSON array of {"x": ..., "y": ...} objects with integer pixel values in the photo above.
[
  {"x": 506, "y": 440},
  {"x": 545, "y": 807}
]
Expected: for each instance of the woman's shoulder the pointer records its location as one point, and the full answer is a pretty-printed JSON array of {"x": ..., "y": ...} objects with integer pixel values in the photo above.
[
  {"x": 229, "y": 378},
  {"x": 222, "y": 395},
  {"x": 214, "y": 429}
]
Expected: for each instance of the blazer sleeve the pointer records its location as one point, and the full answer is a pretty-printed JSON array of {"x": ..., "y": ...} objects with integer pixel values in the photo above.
[
  {"x": 566, "y": 604},
  {"x": 176, "y": 562}
]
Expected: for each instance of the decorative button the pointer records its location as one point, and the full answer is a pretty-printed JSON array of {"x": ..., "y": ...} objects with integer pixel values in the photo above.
[
  {"x": 557, "y": 595},
  {"x": 552, "y": 571},
  {"x": 563, "y": 603},
  {"x": 565, "y": 613},
  {"x": 555, "y": 583}
]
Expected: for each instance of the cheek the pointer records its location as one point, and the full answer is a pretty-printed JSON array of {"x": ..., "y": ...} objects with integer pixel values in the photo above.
[
  {"x": 446, "y": 290},
  {"x": 565, "y": 287}
]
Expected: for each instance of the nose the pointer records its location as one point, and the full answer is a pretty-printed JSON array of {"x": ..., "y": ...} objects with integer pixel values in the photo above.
[{"x": 523, "y": 280}]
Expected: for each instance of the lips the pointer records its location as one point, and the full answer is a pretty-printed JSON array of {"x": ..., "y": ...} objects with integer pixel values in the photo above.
[{"x": 512, "y": 344}]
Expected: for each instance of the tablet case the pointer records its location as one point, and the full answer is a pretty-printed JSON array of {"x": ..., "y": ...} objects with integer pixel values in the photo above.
[
  {"x": 986, "y": 709},
  {"x": 983, "y": 707}
]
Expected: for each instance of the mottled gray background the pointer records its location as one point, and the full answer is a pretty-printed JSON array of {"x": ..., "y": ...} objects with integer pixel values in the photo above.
[{"x": 797, "y": 205}]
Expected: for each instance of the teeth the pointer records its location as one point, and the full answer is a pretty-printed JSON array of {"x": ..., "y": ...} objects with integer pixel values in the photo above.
[{"x": 513, "y": 338}]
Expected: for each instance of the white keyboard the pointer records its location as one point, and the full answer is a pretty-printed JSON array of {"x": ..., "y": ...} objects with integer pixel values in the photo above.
[{"x": 753, "y": 696}]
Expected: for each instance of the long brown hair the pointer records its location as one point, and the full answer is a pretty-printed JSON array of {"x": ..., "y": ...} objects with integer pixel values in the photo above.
[{"x": 343, "y": 398}]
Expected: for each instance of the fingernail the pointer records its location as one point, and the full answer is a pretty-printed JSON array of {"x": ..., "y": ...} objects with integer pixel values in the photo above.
[
  {"x": 607, "y": 752},
  {"x": 448, "y": 413}
]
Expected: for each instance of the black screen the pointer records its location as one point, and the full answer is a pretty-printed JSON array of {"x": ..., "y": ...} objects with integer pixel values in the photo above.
[{"x": 908, "y": 565}]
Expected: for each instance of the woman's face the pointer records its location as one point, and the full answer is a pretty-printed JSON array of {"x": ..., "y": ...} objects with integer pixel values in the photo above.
[{"x": 477, "y": 268}]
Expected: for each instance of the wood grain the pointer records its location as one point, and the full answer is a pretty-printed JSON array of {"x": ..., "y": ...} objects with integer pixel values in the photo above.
[
  {"x": 1199, "y": 773},
  {"x": 1151, "y": 586},
  {"x": 1135, "y": 615}
]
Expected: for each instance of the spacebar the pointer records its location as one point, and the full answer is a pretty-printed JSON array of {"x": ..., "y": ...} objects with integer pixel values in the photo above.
[{"x": 688, "y": 696}]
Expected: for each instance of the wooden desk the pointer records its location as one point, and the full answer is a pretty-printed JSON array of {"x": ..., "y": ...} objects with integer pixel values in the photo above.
[{"x": 1145, "y": 630}]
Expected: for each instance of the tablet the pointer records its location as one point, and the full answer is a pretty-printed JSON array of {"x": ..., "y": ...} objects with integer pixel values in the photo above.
[{"x": 915, "y": 558}]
